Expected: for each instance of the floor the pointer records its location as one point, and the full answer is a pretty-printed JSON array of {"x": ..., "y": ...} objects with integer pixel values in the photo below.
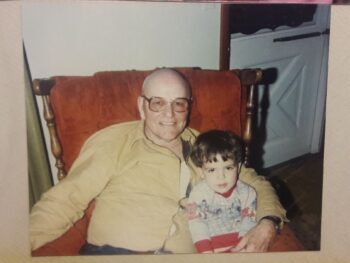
[{"x": 299, "y": 186}]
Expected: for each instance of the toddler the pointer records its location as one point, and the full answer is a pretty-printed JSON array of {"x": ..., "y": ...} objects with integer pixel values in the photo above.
[{"x": 221, "y": 209}]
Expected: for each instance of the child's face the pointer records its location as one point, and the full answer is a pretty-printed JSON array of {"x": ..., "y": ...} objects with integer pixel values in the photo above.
[{"x": 220, "y": 175}]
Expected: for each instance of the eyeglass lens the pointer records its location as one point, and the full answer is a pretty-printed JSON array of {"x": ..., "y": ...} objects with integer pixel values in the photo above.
[{"x": 159, "y": 104}]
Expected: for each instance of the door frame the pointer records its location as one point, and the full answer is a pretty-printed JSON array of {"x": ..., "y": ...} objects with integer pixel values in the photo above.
[{"x": 225, "y": 37}]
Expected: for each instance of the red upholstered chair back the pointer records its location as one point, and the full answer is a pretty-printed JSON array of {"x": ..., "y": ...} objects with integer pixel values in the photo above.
[{"x": 84, "y": 105}]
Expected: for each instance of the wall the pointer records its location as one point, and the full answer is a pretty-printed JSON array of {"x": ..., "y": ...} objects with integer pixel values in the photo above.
[
  {"x": 85, "y": 36},
  {"x": 80, "y": 38}
]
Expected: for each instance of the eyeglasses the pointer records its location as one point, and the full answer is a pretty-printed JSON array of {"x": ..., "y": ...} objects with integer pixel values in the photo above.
[{"x": 158, "y": 104}]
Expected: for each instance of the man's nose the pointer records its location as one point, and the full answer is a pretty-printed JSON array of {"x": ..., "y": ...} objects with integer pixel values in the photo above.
[{"x": 169, "y": 111}]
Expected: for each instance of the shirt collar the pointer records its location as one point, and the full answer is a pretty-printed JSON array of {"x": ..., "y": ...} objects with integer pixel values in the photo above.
[
  {"x": 188, "y": 135},
  {"x": 229, "y": 192}
]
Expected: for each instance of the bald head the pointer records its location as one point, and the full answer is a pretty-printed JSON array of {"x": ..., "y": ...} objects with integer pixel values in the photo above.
[
  {"x": 164, "y": 122},
  {"x": 165, "y": 80}
]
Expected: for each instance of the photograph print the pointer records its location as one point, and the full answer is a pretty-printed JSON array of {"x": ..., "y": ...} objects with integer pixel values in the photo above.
[{"x": 174, "y": 128}]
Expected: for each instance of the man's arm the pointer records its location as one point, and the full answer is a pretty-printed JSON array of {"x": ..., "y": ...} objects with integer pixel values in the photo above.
[
  {"x": 62, "y": 205},
  {"x": 268, "y": 203},
  {"x": 260, "y": 237}
]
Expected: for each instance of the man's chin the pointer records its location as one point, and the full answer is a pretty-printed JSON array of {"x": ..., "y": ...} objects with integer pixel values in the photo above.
[
  {"x": 168, "y": 139},
  {"x": 169, "y": 136}
]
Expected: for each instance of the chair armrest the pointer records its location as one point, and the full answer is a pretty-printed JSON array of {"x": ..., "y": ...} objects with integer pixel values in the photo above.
[{"x": 286, "y": 241}]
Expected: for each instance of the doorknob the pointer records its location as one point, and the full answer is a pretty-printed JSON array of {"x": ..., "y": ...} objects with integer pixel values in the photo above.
[{"x": 301, "y": 36}]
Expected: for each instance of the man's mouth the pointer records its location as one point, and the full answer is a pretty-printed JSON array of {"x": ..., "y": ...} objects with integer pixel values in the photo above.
[{"x": 167, "y": 123}]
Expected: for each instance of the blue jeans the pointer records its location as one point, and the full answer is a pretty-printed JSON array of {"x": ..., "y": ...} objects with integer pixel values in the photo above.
[{"x": 89, "y": 249}]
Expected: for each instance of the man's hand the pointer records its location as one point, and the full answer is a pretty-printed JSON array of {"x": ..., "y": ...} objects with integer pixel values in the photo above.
[{"x": 258, "y": 239}]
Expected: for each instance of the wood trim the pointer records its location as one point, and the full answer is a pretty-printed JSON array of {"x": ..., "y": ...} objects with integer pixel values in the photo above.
[
  {"x": 249, "y": 78},
  {"x": 224, "y": 59},
  {"x": 42, "y": 88}
]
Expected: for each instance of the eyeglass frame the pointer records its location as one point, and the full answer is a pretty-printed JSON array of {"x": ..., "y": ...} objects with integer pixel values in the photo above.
[{"x": 189, "y": 101}]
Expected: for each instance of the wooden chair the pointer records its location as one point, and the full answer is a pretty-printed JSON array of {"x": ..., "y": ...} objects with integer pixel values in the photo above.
[{"x": 77, "y": 106}]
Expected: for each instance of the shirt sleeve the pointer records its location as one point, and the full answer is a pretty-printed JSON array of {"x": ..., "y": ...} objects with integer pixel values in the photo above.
[
  {"x": 198, "y": 227},
  {"x": 65, "y": 203},
  {"x": 268, "y": 203}
]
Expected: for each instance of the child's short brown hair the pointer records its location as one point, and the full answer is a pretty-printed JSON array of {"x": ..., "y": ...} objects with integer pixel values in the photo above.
[{"x": 213, "y": 142}]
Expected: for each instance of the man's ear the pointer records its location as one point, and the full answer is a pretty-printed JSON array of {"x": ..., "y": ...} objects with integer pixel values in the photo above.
[{"x": 140, "y": 102}]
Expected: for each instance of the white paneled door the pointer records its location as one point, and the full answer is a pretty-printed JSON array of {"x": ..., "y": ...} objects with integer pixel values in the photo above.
[{"x": 292, "y": 99}]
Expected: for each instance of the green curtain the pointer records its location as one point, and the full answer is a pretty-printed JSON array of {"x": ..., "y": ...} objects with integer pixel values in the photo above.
[{"x": 39, "y": 173}]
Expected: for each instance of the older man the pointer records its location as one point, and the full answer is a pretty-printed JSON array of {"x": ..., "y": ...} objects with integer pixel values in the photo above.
[{"x": 138, "y": 172}]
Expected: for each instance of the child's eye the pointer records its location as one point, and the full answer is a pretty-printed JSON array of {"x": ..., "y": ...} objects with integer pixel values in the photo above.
[
  {"x": 211, "y": 170},
  {"x": 230, "y": 168}
]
